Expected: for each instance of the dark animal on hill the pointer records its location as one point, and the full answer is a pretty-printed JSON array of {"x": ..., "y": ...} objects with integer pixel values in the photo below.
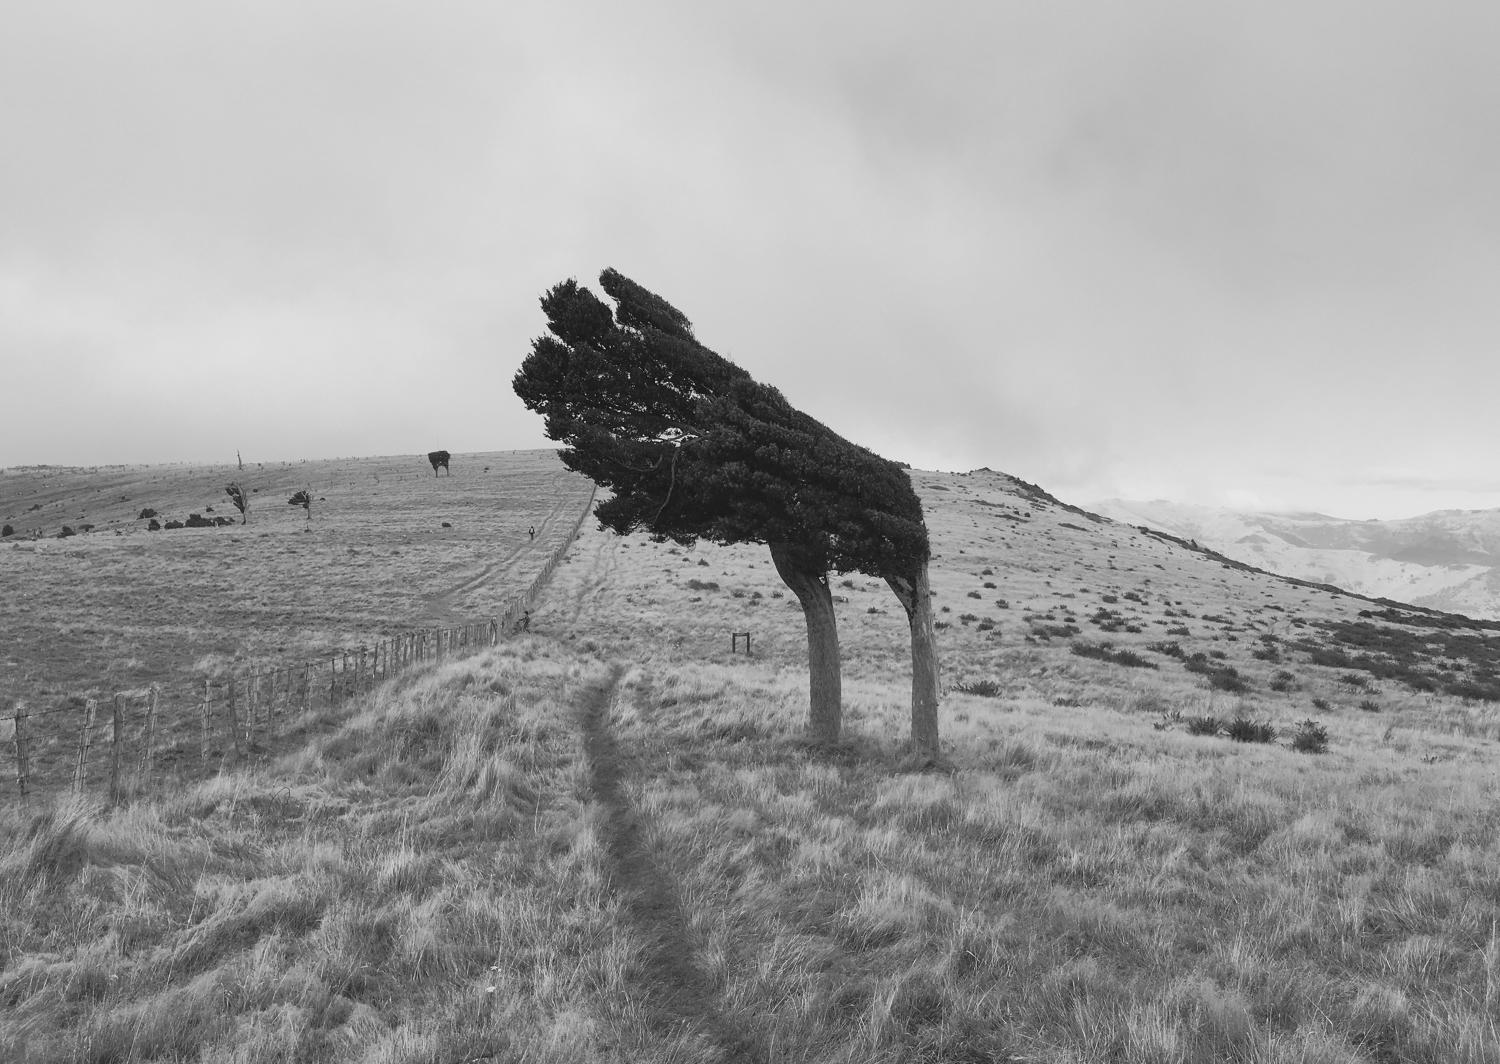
[{"x": 439, "y": 458}]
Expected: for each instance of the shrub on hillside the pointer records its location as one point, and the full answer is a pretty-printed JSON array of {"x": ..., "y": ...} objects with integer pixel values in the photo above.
[
  {"x": 1369, "y": 705},
  {"x": 1220, "y": 677},
  {"x": 983, "y": 688},
  {"x": 1283, "y": 681},
  {"x": 7, "y": 531},
  {"x": 1170, "y": 649},
  {"x": 1310, "y": 737},
  {"x": 1204, "y": 725},
  {"x": 702, "y": 585},
  {"x": 1245, "y": 730},
  {"x": 1104, "y": 652}
]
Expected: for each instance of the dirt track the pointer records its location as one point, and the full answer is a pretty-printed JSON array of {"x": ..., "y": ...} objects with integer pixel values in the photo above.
[{"x": 676, "y": 991}]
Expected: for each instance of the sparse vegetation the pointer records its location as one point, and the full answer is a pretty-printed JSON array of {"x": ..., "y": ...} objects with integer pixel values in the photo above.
[
  {"x": 1310, "y": 737},
  {"x": 1105, "y": 652},
  {"x": 1283, "y": 681},
  {"x": 1245, "y": 730}
]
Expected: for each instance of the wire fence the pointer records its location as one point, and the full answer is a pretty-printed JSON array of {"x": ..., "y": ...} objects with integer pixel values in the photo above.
[{"x": 138, "y": 740}]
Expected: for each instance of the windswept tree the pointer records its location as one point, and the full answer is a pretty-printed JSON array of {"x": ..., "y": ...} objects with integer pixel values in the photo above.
[
  {"x": 240, "y": 499},
  {"x": 691, "y": 446}
]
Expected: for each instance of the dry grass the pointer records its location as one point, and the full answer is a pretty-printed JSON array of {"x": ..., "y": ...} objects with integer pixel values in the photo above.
[
  {"x": 91, "y": 615},
  {"x": 1090, "y": 881}
]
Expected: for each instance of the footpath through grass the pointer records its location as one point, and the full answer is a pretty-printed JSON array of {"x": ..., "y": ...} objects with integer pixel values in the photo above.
[{"x": 539, "y": 854}]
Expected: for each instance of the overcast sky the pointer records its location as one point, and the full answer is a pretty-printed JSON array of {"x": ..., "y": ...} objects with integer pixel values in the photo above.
[{"x": 1225, "y": 253}]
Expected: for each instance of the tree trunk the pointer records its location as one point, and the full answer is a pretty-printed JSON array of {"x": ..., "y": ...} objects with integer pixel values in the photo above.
[
  {"x": 916, "y": 599},
  {"x": 809, "y": 582}
]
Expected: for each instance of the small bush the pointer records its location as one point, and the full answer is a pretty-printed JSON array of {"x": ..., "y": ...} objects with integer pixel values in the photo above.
[
  {"x": 1369, "y": 705},
  {"x": 702, "y": 585},
  {"x": 1171, "y": 650},
  {"x": 1245, "y": 730},
  {"x": 1104, "y": 652},
  {"x": 1204, "y": 725},
  {"x": 1354, "y": 679},
  {"x": 1310, "y": 737},
  {"x": 975, "y": 594},
  {"x": 1001, "y": 604},
  {"x": 1181, "y": 629},
  {"x": 1320, "y": 704},
  {"x": 7, "y": 531},
  {"x": 1283, "y": 681},
  {"x": 983, "y": 688}
]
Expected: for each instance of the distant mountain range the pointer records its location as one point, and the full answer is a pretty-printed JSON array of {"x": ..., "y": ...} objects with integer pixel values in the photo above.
[{"x": 1447, "y": 560}]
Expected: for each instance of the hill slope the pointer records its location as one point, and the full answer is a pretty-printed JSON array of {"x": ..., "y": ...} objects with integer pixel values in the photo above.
[
  {"x": 1448, "y": 560},
  {"x": 605, "y": 840}
]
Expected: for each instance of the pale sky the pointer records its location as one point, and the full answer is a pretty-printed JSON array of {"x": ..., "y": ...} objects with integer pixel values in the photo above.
[{"x": 1223, "y": 253}]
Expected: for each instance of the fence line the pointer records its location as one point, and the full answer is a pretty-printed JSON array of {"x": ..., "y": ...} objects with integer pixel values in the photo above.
[{"x": 121, "y": 746}]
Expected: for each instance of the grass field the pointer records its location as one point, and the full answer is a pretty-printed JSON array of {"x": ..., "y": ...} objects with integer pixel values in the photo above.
[
  {"x": 389, "y": 547},
  {"x": 607, "y": 841}
]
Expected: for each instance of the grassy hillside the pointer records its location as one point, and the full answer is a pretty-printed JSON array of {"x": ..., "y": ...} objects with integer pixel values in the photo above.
[
  {"x": 389, "y": 547},
  {"x": 606, "y": 840}
]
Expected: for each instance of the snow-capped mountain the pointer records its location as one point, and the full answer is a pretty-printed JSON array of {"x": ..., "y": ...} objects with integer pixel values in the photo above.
[{"x": 1447, "y": 560}]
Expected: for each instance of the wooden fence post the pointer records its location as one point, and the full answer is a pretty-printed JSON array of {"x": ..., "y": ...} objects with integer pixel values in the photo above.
[
  {"x": 148, "y": 737},
  {"x": 85, "y": 741},
  {"x": 23, "y": 771},
  {"x": 332, "y": 673},
  {"x": 306, "y": 687},
  {"x": 114, "y": 749},
  {"x": 252, "y": 685},
  {"x": 234, "y": 720},
  {"x": 205, "y": 719}
]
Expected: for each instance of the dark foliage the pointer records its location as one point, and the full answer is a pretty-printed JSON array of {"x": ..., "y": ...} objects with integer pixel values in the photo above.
[
  {"x": 1245, "y": 730},
  {"x": 1421, "y": 660},
  {"x": 1220, "y": 677},
  {"x": 1105, "y": 652},
  {"x": 645, "y": 409},
  {"x": 1310, "y": 737},
  {"x": 237, "y": 496}
]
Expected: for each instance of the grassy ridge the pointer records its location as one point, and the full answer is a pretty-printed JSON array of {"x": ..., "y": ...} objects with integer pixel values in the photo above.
[
  {"x": 1104, "y": 891},
  {"x": 607, "y": 841}
]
